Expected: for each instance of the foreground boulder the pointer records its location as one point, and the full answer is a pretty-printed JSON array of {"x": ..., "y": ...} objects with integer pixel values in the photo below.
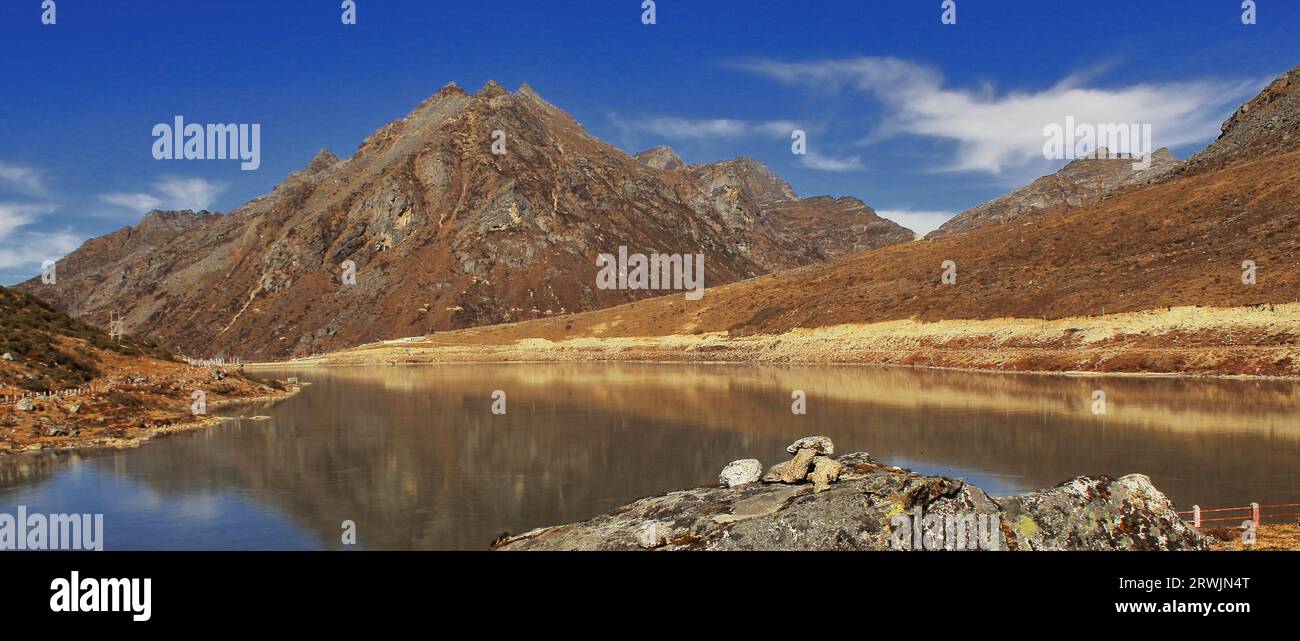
[
  {"x": 740, "y": 472},
  {"x": 880, "y": 507}
]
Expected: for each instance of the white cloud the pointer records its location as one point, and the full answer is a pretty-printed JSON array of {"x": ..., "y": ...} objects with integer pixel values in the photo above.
[
  {"x": 1000, "y": 133},
  {"x": 135, "y": 202},
  {"x": 706, "y": 128},
  {"x": 188, "y": 193},
  {"x": 813, "y": 160},
  {"x": 169, "y": 192},
  {"x": 919, "y": 221},
  {"x": 30, "y": 249},
  {"x": 15, "y": 215},
  {"x": 21, "y": 247},
  {"x": 24, "y": 180}
]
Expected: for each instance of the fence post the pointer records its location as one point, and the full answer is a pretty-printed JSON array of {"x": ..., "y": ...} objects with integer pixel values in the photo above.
[
  {"x": 1196, "y": 516},
  {"x": 1254, "y": 513}
]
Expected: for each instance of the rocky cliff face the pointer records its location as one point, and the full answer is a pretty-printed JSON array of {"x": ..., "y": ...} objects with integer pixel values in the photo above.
[
  {"x": 1082, "y": 182},
  {"x": 472, "y": 210},
  {"x": 1268, "y": 124},
  {"x": 769, "y": 222},
  {"x": 879, "y": 507}
]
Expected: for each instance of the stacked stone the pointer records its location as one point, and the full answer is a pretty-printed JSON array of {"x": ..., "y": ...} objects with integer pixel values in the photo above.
[{"x": 811, "y": 462}]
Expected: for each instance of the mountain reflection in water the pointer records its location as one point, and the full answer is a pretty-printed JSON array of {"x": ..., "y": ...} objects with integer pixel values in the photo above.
[{"x": 414, "y": 456}]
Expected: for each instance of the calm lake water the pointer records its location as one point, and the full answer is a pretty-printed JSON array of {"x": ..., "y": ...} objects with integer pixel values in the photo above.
[{"x": 415, "y": 457}]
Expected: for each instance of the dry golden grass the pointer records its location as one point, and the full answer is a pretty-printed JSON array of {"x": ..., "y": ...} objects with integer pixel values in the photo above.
[
  {"x": 1182, "y": 340},
  {"x": 1268, "y": 538}
]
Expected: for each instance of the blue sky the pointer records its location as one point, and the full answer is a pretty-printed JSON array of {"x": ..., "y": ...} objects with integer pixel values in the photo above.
[{"x": 917, "y": 118}]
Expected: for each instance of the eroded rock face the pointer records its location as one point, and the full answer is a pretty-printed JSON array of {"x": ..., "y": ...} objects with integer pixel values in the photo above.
[
  {"x": 862, "y": 510},
  {"x": 1082, "y": 182},
  {"x": 1268, "y": 124}
]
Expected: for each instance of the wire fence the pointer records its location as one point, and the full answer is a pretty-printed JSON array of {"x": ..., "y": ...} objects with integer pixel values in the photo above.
[{"x": 1253, "y": 512}]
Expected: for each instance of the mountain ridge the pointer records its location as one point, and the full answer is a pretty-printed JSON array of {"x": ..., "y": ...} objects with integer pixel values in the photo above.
[{"x": 444, "y": 234}]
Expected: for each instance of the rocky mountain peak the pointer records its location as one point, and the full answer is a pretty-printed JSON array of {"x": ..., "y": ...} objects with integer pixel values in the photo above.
[
  {"x": 1081, "y": 182},
  {"x": 492, "y": 89},
  {"x": 747, "y": 174},
  {"x": 661, "y": 158},
  {"x": 445, "y": 233},
  {"x": 1267, "y": 124},
  {"x": 526, "y": 90},
  {"x": 323, "y": 160}
]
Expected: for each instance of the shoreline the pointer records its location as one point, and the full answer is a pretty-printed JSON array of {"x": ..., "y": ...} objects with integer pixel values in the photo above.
[
  {"x": 289, "y": 365},
  {"x": 1247, "y": 343},
  {"x": 150, "y": 433}
]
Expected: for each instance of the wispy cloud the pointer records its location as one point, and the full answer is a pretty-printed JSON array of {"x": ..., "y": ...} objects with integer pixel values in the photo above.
[
  {"x": 818, "y": 162},
  {"x": 919, "y": 221},
  {"x": 30, "y": 249},
  {"x": 997, "y": 133},
  {"x": 673, "y": 128},
  {"x": 15, "y": 215},
  {"x": 133, "y": 202},
  {"x": 169, "y": 192},
  {"x": 21, "y": 247},
  {"x": 22, "y": 179}
]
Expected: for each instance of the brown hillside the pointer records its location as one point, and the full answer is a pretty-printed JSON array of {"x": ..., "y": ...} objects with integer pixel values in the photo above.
[
  {"x": 1176, "y": 243},
  {"x": 444, "y": 233}
]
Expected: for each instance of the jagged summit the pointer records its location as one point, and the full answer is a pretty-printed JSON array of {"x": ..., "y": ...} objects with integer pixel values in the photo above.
[
  {"x": 1268, "y": 124},
  {"x": 492, "y": 89},
  {"x": 661, "y": 157},
  {"x": 446, "y": 231},
  {"x": 324, "y": 159},
  {"x": 1082, "y": 181}
]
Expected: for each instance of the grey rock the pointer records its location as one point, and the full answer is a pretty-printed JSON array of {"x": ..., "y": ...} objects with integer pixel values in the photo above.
[
  {"x": 819, "y": 444},
  {"x": 654, "y": 535},
  {"x": 26, "y": 405},
  {"x": 7, "y": 356},
  {"x": 1098, "y": 513},
  {"x": 861, "y": 510},
  {"x": 58, "y": 430},
  {"x": 740, "y": 472}
]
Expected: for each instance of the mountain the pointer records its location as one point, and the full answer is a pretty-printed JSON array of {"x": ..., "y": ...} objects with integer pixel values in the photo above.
[
  {"x": 1083, "y": 181},
  {"x": 444, "y": 233},
  {"x": 770, "y": 222},
  {"x": 1179, "y": 241},
  {"x": 1268, "y": 124}
]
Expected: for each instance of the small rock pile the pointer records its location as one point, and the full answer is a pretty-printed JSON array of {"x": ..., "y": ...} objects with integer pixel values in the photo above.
[{"x": 812, "y": 462}]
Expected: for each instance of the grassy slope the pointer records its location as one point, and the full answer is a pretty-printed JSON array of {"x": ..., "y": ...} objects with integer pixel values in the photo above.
[{"x": 52, "y": 350}]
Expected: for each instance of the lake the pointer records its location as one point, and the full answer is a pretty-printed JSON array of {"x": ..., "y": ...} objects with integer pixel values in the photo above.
[{"x": 415, "y": 457}]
